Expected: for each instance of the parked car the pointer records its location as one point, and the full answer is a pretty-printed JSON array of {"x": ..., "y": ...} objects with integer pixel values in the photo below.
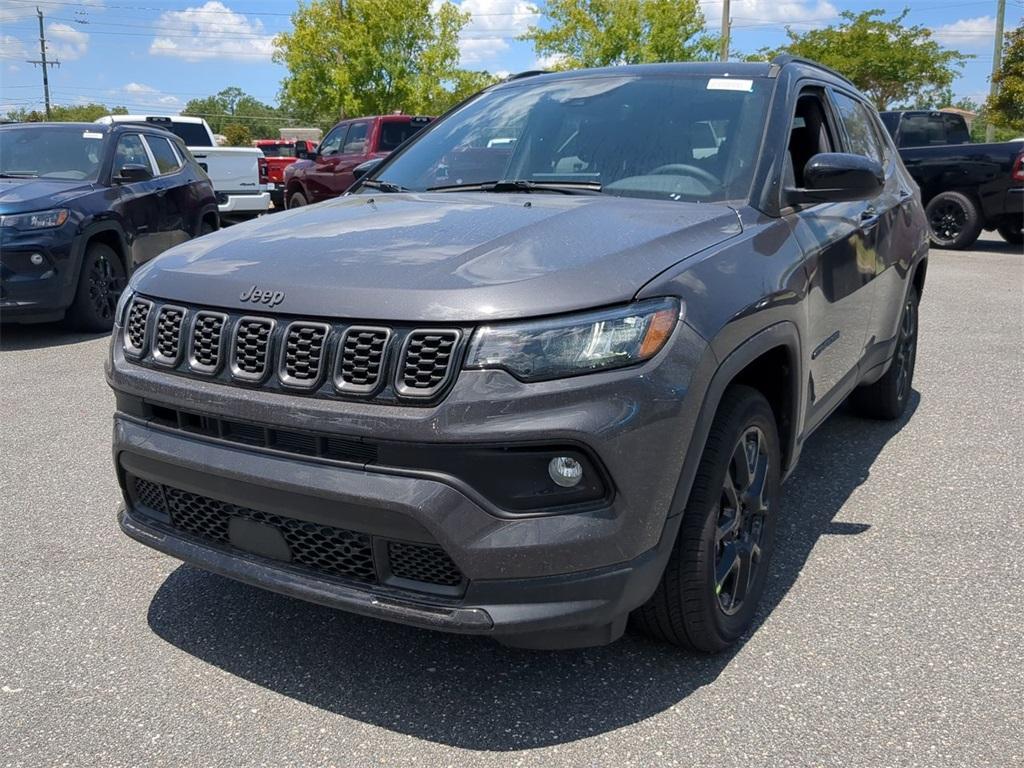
[
  {"x": 83, "y": 205},
  {"x": 277, "y": 155},
  {"x": 557, "y": 387},
  {"x": 966, "y": 187},
  {"x": 234, "y": 171},
  {"x": 326, "y": 172}
]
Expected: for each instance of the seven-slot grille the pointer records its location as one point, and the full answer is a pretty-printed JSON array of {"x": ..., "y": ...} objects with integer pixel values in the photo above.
[
  {"x": 252, "y": 348},
  {"x": 312, "y": 546},
  {"x": 136, "y": 326},
  {"x": 427, "y": 362},
  {"x": 167, "y": 339},
  {"x": 303, "y": 357},
  {"x": 207, "y": 341},
  {"x": 361, "y": 358}
]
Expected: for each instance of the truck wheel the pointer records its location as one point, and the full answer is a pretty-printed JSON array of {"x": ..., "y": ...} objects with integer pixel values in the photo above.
[
  {"x": 887, "y": 398},
  {"x": 99, "y": 285},
  {"x": 1012, "y": 232},
  {"x": 716, "y": 572},
  {"x": 296, "y": 200},
  {"x": 953, "y": 221}
]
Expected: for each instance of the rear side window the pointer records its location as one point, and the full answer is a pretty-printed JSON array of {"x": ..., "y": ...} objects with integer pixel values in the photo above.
[
  {"x": 956, "y": 130},
  {"x": 394, "y": 133},
  {"x": 859, "y": 127},
  {"x": 166, "y": 160}
]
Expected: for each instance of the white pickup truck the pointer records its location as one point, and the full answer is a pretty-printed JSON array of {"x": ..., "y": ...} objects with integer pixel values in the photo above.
[{"x": 234, "y": 171}]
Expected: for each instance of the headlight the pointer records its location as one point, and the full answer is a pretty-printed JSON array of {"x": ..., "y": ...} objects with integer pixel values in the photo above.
[
  {"x": 122, "y": 302},
  {"x": 36, "y": 220},
  {"x": 576, "y": 344}
]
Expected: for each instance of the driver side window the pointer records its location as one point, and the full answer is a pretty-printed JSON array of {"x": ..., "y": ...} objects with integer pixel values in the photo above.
[
  {"x": 810, "y": 134},
  {"x": 332, "y": 143},
  {"x": 131, "y": 151}
]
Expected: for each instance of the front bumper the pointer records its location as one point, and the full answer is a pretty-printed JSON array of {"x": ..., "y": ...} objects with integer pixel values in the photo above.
[{"x": 35, "y": 293}]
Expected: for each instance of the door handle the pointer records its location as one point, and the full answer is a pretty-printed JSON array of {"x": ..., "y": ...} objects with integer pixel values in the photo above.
[{"x": 868, "y": 218}]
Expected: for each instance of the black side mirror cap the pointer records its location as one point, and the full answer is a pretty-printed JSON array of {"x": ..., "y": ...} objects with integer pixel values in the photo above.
[
  {"x": 836, "y": 177},
  {"x": 304, "y": 150},
  {"x": 133, "y": 172},
  {"x": 364, "y": 168}
]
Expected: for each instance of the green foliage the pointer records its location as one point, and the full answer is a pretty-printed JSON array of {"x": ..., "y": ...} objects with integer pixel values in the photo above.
[
  {"x": 594, "y": 33},
  {"x": 888, "y": 61},
  {"x": 1007, "y": 108},
  {"x": 233, "y": 105},
  {"x": 365, "y": 57},
  {"x": 237, "y": 135},
  {"x": 77, "y": 113}
]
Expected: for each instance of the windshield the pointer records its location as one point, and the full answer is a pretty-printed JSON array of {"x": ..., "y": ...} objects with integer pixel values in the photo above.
[
  {"x": 51, "y": 152},
  {"x": 661, "y": 137}
]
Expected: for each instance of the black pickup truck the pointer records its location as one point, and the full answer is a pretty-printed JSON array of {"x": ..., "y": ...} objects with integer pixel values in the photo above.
[{"x": 966, "y": 187}]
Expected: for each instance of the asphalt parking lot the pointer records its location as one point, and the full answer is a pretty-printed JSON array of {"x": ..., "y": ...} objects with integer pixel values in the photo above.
[{"x": 890, "y": 635}]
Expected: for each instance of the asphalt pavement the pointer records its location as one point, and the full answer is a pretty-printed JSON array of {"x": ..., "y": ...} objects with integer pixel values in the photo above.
[{"x": 890, "y": 635}]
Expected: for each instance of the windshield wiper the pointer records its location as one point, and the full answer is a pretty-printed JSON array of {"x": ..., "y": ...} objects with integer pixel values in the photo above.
[
  {"x": 524, "y": 185},
  {"x": 384, "y": 186},
  {"x": 19, "y": 176}
]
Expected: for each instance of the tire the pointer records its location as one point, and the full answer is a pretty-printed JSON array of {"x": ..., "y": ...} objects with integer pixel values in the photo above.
[
  {"x": 1012, "y": 232},
  {"x": 296, "y": 200},
  {"x": 887, "y": 398},
  {"x": 100, "y": 282},
  {"x": 953, "y": 221},
  {"x": 692, "y": 607},
  {"x": 206, "y": 228}
]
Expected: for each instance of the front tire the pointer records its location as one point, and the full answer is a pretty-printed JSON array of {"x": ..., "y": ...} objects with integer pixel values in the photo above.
[
  {"x": 716, "y": 573},
  {"x": 887, "y": 398},
  {"x": 100, "y": 283},
  {"x": 1012, "y": 232},
  {"x": 954, "y": 221}
]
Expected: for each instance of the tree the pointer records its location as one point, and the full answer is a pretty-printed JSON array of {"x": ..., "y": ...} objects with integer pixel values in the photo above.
[
  {"x": 595, "y": 33},
  {"x": 76, "y": 113},
  {"x": 237, "y": 135},
  {"x": 1006, "y": 109},
  {"x": 365, "y": 57},
  {"x": 888, "y": 61},
  {"x": 233, "y": 105}
]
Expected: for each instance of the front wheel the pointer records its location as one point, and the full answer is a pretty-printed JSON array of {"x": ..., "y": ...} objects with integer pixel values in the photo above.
[
  {"x": 887, "y": 398},
  {"x": 716, "y": 573},
  {"x": 1012, "y": 232},
  {"x": 100, "y": 283}
]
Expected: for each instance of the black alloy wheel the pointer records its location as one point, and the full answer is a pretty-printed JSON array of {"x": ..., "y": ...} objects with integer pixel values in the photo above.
[{"x": 100, "y": 283}]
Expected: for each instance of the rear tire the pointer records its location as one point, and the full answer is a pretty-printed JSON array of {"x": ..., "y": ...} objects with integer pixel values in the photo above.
[
  {"x": 100, "y": 283},
  {"x": 953, "y": 221},
  {"x": 717, "y": 570},
  {"x": 296, "y": 200},
  {"x": 1012, "y": 232},
  {"x": 206, "y": 228},
  {"x": 887, "y": 398}
]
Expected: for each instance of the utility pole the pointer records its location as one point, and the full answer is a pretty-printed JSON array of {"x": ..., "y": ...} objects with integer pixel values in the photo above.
[
  {"x": 726, "y": 25},
  {"x": 997, "y": 58},
  {"x": 44, "y": 63}
]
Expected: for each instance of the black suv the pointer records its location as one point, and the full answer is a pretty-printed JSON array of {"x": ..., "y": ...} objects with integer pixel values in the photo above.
[
  {"x": 82, "y": 205},
  {"x": 545, "y": 367}
]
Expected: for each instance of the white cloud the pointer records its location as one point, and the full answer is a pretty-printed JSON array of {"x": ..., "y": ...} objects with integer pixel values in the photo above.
[
  {"x": 16, "y": 13},
  {"x": 142, "y": 95},
  {"x": 66, "y": 43},
  {"x": 752, "y": 13},
  {"x": 492, "y": 25},
  {"x": 13, "y": 48},
  {"x": 967, "y": 33},
  {"x": 548, "y": 62},
  {"x": 216, "y": 32}
]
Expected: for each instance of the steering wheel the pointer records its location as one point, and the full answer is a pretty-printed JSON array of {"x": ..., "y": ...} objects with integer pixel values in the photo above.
[{"x": 677, "y": 169}]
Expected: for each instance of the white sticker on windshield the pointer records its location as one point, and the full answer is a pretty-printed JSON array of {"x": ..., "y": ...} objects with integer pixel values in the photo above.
[
  {"x": 730, "y": 84},
  {"x": 92, "y": 135}
]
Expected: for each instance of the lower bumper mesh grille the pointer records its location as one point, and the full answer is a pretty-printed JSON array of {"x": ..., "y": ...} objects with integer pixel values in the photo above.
[{"x": 319, "y": 548}]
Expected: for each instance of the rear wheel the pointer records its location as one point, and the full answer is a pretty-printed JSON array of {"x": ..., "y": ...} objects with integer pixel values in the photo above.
[
  {"x": 206, "y": 227},
  {"x": 99, "y": 285},
  {"x": 1012, "y": 231},
  {"x": 887, "y": 398},
  {"x": 954, "y": 221},
  {"x": 716, "y": 573},
  {"x": 296, "y": 200}
]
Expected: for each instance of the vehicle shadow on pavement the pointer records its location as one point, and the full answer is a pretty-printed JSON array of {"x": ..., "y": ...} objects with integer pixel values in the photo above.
[
  {"x": 471, "y": 692},
  {"x": 14, "y": 338}
]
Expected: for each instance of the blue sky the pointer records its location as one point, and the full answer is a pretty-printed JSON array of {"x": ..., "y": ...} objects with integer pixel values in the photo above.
[{"x": 154, "y": 55}]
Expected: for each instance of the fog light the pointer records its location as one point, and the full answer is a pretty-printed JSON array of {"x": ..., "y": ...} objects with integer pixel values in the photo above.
[
  {"x": 565, "y": 471},
  {"x": 36, "y": 259}
]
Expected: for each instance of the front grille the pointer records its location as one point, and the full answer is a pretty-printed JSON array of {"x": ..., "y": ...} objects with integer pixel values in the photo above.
[
  {"x": 167, "y": 337},
  {"x": 361, "y": 359},
  {"x": 207, "y": 342},
  {"x": 252, "y": 348},
  {"x": 315, "y": 547},
  {"x": 303, "y": 355},
  {"x": 427, "y": 362},
  {"x": 136, "y": 326}
]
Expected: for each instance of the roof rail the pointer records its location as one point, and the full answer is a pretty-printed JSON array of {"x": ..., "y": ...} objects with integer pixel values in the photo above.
[
  {"x": 787, "y": 58},
  {"x": 527, "y": 73}
]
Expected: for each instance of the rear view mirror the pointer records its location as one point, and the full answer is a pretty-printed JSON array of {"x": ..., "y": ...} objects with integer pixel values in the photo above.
[
  {"x": 835, "y": 177},
  {"x": 132, "y": 172}
]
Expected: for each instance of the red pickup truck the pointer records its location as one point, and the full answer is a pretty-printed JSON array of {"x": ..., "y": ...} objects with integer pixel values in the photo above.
[
  {"x": 278, "y": 154},
  {"x": 326, "y": 172}
]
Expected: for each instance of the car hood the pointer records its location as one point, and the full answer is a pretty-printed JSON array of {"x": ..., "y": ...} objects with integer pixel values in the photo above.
[
  {"x": 22, "y": 195},
  {"x": 436, "y": 257}
]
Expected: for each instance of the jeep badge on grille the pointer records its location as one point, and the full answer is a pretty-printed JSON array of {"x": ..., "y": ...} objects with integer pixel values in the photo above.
[{"x": 256, "y": 296}]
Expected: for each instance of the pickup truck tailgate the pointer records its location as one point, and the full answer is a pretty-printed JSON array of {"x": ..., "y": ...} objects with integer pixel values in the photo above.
[{"x": 231, "y": 169}]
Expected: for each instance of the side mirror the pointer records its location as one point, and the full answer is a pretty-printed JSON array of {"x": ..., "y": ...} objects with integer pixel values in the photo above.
[
  {"x": 132, "y": 172},
  {"x": 836, "y": 177},
  {"x": 304, "y": 150},
  {"x": 364, "y": 168}
]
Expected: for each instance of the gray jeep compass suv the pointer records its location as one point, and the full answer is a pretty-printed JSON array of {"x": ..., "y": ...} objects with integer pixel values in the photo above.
[{"x": 543, "y": 368}]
